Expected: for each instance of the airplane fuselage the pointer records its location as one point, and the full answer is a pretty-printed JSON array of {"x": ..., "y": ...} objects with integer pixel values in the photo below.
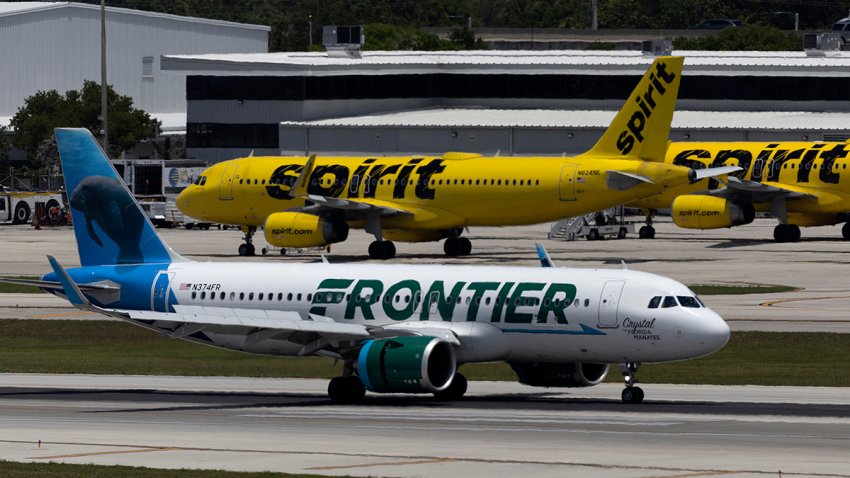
[
  {"x": 444, "y": 192},
  {"x": 551, "y": 315},
  {"x": 806, "y": 167}
]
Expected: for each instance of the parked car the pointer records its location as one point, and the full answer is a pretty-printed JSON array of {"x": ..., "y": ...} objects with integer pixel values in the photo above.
[
  {"x": 718, "y": 24},
  {"x": 843, "y": 27}
]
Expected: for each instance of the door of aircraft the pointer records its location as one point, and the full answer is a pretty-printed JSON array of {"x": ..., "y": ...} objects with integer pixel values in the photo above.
[
  {"x": 567, "y": 184},
  {"x": 609, "y": 303},
  {"x": 159, "y": 292},
  {"x": 225, "y": 187}
]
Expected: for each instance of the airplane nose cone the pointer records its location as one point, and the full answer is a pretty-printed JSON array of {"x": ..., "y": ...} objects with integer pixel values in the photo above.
[
  {"x": 183, "y": 201},
  {"x": 714, "y": 332}
]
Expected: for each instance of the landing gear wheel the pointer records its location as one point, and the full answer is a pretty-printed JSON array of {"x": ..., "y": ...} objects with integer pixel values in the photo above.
[
  {"x": 457, "y": 246},
  {"x": 845, "y": 231},
  {"x": 346, "y": 390},
  {"x": 632, "y": 395},
  {"x": 464, "y": 246},
  {"x": 787, "y": 233},
  {"x": 455, "y": 390},
  {"x": 646, "y": 232},
  {"x": 246, "y": 250},
  {"x": 382, "y": 250},
  {"x": 22, "y": 213}
]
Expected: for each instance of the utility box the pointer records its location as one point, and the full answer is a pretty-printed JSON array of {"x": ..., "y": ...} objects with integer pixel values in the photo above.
[
  {"x": 822, "y": 44},
  {"x": 343, "y": 41}
]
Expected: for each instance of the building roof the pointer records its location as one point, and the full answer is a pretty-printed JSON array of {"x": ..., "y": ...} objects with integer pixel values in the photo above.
[
  {"x": 583, "y": 119},
  {"x": 171, "y": 123},
  {"x": 18, "y": 8},
  {"x": 712, "y": 63}
]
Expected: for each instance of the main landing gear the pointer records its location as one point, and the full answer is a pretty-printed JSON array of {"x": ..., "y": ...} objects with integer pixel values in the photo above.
[
  {"x": 382, "y": 250},
  {"x": 348, "y": 388},
  {"x": 790, "y": 233},
  {"x": 647, "y": 231},
  {"x": 457, "y": 246},
  {"x": 455, "y": 390},
  {"x": 247, "y": 249},
  {"x": 631, "y": 394}
]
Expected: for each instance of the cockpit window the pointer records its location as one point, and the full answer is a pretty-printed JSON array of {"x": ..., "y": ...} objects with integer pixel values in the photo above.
[
  {"x": 654, "y": 302},
  {"x": 669, "y": 301},
  {"x": 203, "y": 180},
  {"x": 689, "y": 301}
]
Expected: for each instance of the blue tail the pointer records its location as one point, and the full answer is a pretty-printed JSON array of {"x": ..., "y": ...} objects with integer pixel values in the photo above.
[{"x": 109, "y": 225}]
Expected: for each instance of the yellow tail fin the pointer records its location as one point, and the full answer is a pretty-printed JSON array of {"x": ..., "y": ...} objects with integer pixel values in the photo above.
[{"x": 642, "y": 127}]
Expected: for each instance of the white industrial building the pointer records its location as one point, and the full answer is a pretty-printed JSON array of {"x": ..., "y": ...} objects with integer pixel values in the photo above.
[
  {"x": 56, "y": 45},
  {"x": 510, "y": 102}
]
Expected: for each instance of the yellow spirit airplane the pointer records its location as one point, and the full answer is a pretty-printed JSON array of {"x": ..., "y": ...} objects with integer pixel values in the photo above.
[
  {"x": 801, "y": 184},
  {"x": 307, "y": 202}
]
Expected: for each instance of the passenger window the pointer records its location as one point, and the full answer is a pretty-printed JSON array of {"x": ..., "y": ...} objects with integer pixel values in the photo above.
[
  {"x": 194, "y": 294},
  {"x": 203, "y": 295},
  {"x": 298, "y": 297},
  {"x": 260, "y": 297},
  {"x": 241, "y": 296},
  {"x": 309, "y": 297},
  {"x": 251, "y": 296},
  {"x": 669, "y": 301},
  {"x": 688, "y": 301},
  {"x": 587, "y": 302},
  {"x": 655, "y": 302}
]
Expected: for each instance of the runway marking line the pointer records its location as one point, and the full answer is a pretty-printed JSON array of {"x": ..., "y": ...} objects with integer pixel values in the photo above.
[
  {"x": 387, "y": 463},
  {"x": 114, "y": 452},
  {"x": 700, "y": 473}
]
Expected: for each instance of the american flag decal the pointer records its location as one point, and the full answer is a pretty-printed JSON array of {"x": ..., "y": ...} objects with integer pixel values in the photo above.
[
  {"x": 185, "y": 286},
  {"x": 580, "y": 179}
]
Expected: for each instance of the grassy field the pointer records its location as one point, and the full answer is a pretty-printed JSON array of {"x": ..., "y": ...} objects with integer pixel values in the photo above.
[
  {"x": 10, "y": 469},
  {"x": 56, "y": 346}
]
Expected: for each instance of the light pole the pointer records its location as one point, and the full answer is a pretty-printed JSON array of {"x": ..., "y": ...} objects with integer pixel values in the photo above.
[
  {"x": 310, "y": 27},
  {"x": 103, "y": 85}
]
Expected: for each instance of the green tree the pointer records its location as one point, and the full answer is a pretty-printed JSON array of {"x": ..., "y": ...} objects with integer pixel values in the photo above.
[
  {"x": 34, "y": 122},
  {"x": 747, "y": 37}
]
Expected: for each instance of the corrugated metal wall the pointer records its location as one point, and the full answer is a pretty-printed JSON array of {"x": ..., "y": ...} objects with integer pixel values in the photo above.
[{"x": 59, "y": 48}]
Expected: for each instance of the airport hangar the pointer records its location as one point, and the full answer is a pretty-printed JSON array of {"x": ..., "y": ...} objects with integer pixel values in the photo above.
[
  {"x": 493, "y": 102},
  {"x": 56, "y": 45}
]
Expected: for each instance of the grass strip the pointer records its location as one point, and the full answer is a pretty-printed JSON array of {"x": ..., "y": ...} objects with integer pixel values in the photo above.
[
  {"x": 11, "y": 469},
  {"x": 734, "y": 289},
  {"x": 6, "y": 288},
  {"x": 92, "y": 347}
]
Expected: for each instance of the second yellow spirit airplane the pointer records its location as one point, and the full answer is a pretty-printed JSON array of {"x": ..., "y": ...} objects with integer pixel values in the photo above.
[
  {"x": 308, "y": 202},
  {"x": 801, "y": 184}
]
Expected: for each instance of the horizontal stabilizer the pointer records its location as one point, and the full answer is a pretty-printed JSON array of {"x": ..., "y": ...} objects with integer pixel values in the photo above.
[
  {"x": 622, "y": 181},
  {"x": 712, "y": 172}
]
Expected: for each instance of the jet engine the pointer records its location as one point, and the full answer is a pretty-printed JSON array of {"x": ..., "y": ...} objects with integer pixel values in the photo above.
[
  {"x": 410, "y": 364},
  {"x": 550, "y": 374},
  {"x": 294, "y": 229},
  {"x": 710, "y": 212}
]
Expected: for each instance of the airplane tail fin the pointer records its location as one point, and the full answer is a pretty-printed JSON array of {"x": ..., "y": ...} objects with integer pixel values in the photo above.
[
  {"x": 642, "y": 127},
  {"x": 109, "y": 224}
]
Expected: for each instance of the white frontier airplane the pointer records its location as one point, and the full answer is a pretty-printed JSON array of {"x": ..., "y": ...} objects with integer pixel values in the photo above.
[{"x": 397, "y": 328}]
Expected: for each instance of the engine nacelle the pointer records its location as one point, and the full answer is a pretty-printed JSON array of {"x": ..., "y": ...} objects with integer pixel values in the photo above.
[
  {"x": 295, "y": 229},
  {"x": 550, "y": 374},
  {"x": 709, "y": 212},
  {"x": 412, "y": 364}
]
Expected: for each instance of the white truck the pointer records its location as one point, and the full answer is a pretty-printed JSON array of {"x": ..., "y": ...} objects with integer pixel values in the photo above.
[{"x": 18, "y": 207}]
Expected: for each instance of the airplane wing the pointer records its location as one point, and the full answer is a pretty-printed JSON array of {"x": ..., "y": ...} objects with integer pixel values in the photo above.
[
  {"x": 314, "y": 332},
  {"x": 753, "y": 191},
  {"x": 355, "y": 207}
]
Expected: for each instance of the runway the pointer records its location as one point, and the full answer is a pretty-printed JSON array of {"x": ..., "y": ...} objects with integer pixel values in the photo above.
[{"x": 501, "y": 429}]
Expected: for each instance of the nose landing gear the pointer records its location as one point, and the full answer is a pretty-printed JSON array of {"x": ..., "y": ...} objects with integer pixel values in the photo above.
[
  {"x": 247, "y": 249},
  {"x": 631, "y": 394}
]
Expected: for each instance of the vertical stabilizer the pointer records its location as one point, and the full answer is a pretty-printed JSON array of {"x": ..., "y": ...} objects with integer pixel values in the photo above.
[
  {"x": 109, "y": 224},
  {"x": 642, "y": 127}
]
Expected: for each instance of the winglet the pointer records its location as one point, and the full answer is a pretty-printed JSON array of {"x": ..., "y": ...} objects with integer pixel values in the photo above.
[
  {"x": 299, "y": 189},
  {"x": 72, "y": 292},
  {"x": 543, "y": 254}
]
